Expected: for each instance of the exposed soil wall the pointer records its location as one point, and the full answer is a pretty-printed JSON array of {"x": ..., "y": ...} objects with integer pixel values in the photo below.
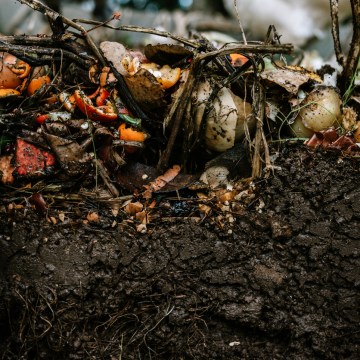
[{"x": 283, "y": 283}]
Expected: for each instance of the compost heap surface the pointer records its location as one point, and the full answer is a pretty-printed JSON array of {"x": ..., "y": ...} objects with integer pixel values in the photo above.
[{"x": 282, "y": 282}]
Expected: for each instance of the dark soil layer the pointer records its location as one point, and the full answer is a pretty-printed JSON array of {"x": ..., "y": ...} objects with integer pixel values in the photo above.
[{"x": 283, "y": 284}]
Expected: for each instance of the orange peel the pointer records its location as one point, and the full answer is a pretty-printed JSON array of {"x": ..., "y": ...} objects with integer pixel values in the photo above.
[
  {"x": 166, "y": 75},
  {"x": 238, "y": 60},
  {"x": 169, "y": 76},
  {"x": 21, "y": 69},
  {"x": 4, "y": 93},
  {"x": 8, "y": 79},
  {"x": 37, "y": 83},
  {"x": 127, "y": 133}
]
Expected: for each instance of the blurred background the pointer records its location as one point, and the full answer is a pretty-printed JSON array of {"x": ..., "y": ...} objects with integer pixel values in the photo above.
[{"x": 305, "y": 23}]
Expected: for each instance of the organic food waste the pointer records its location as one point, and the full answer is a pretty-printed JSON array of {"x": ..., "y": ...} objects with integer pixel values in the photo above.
[{"x": 187, "y": 199}]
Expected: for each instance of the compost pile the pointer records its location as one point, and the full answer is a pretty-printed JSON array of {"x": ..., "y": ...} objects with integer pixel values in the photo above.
[{"x": 176, "y": 201}]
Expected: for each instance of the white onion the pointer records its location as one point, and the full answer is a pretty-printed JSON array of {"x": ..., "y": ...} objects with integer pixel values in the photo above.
[
  {"x": 320, "y": 110},
  {"x": 225, "y": 123}
]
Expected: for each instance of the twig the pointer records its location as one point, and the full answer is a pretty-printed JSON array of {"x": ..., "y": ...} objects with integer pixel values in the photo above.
[
  {"x": 259, "y": 140},
  {"x": 353, "y": 57},
  {"x": 105, "y": 176},
  {"x": 54, "y": 16},
  {"x": 184, "y": 98},
  {"x": 48, "y": 55},
  {"x": 140, "y": 29},
  {"x": 240, "y": 24},
  {"x": 334, "y": 9},
  {"x": 250, "y": 49},
  {"x": 66, "y": 42}
]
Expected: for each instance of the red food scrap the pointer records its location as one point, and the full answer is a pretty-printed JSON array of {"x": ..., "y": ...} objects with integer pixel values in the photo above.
[{"x": 30, "y": 161}]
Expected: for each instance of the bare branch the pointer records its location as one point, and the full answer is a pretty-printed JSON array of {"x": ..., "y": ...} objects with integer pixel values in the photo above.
[
  {"x": 54, "y": 16},
  {"x": 353, "y": 57},
  {"x": 334, "y": 9}
]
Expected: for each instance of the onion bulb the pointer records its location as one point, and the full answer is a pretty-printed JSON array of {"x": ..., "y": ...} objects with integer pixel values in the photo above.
[
  {"x": 320, "y": 110},
  {"x": 226, "y": 122}
]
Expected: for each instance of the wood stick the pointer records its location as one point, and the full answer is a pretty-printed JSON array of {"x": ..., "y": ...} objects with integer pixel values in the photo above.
[
  {"x": 334, "y": 9},
  {"x": 53, "y": 15},
  {"x": 353, "y": 58}
]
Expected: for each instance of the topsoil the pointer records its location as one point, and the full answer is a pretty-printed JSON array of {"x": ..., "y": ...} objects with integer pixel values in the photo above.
[{"x": 280, "y": 282}]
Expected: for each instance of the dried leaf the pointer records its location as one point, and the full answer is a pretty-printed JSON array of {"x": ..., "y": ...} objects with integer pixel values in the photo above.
[
  {"x": 146, "y": 90},
  {"x": 6, "y": 169},
  {"x": 142, "y": 217},
  {"x": 93, "y": 217},
  {"x": 205, "y": 209},
  {"x": 166, "y": 53},
  {"x": 61, "y": 217},
  {"x": 133, "y": 208},
  {"x": 72, "y": 157},
  {"x": 161, "y": 181},
  {"x": 289, "y": 79}
]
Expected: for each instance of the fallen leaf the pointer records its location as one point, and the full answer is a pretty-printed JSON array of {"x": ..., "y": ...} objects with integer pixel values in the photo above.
[
  {"x": 161, "y": 181},
  {"x": 61, "y": 217},
  {"x": 289, "y": 79},
  {"x": 133, "y": 208},
  {"x": 142, "y": 217},
  {"x": 205, "y": 209},
  {"x": 6, "y": 169},
  {"x": 93, "y": 217},
  {"x": 72, "y": 157},
  {"x": 146, "y": 91},
  {"x": 166, "y": 53}
]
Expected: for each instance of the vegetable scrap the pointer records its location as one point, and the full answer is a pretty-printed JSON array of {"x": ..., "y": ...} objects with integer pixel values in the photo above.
[{"x": 115, "y": 122}]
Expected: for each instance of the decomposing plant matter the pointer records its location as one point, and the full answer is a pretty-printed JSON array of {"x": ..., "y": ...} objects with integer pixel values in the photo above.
[{"x": 87, "y": 111}]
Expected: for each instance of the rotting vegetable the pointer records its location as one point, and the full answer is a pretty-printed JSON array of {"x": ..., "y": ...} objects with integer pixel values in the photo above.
[{"x": 197, "y": 112}]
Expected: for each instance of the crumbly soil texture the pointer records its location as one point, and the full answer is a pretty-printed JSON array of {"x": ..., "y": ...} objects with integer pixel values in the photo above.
[{"x": 280, "y": 282}]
